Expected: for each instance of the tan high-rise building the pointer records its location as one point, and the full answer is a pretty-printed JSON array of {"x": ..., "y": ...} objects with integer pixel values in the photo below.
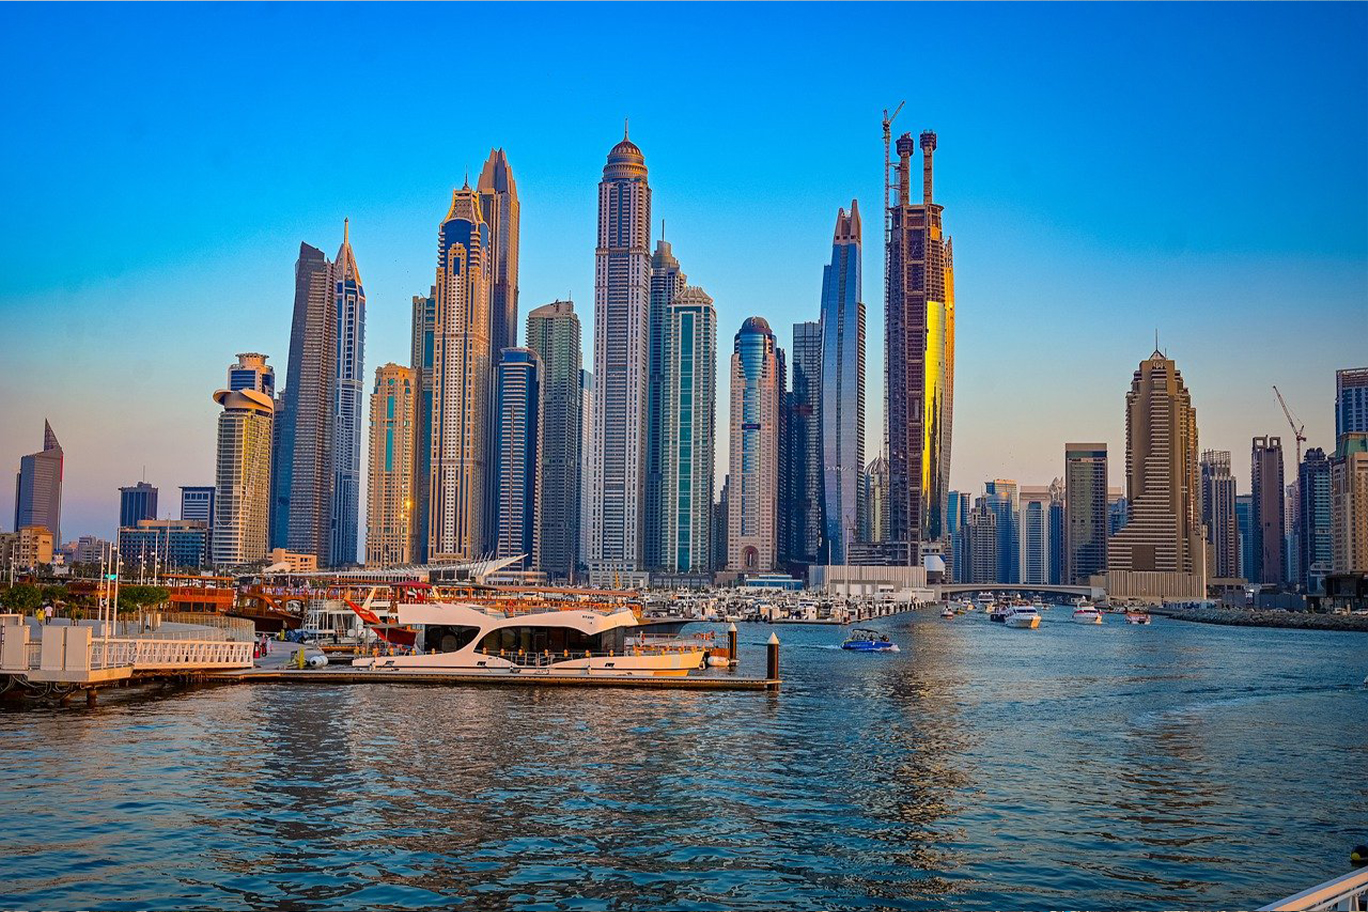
[
  {"x": 753, "y": 495},
  {"x": 390, "y": 513},
  {"x": 242, "y": 483},
  {"x": 1349, "y": 505},
  {"x": 1164, "y": 534}
]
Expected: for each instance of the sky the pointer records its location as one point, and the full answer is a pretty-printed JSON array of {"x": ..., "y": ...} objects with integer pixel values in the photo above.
[{"x": 1106, "y": 171}]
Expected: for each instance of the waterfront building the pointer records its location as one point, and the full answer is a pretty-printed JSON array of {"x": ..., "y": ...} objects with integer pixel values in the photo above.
[
  {"x": 137, "y": 502},
  {"x": 958, "y": 507},
  {"x": 1086, "y": 515},
  {"x": 348, "y": 406},
  {"x": 27, "y": 548},
  {"x": 688, "y": 419},
  {"x": 1315, "y": 541},
  {"x": 1001, "y": 496},
  {"x": 754, "y": 465},
  {"x": 979, "y": 541},
  {"x": 1349, "y": 504},
  {"x": 919, "y": 353},
  {"x": 1057, "y": 521},
  {"x": 622, "y": 291},
  {"x": 553, "y": 332},
  {"x": 1034, "y": 524},
  {"x": 292, "y": 561},
  {"x": 1159, "y": 551},
  {"x": 720, "y": 512},
  {"x": 588, "y": 490},
  {"x": 38, "y": 487},
  {"x": 460, "y": 394},
  {"x": 156, "y": 545},
  {"x": 842, "y": 411},
  {"x": 874, "y": 502},
  {"x": 242, "y": 489},
  {"x": 303, "y": 481},
  {"x": 1291, "y": 535},
  {"x": 251, "y": 372},
  {"x": 1351, "y": 401},
  {"x": 667, "y": 281},
  {"x": 1266, "y": 481},
  {"x": 390, "y": 482},
  {"x": 802, "y": 501},
  {"x": 1218, "y": 515},
  {"x": 500, "y": 211},
  {"x": 422, "y": 344},
  {"x": 517, "y": 455},
  {"x": 1244, "y": 522}
]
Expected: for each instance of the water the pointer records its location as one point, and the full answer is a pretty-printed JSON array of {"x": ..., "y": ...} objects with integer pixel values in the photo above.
[{"x": 1178, "y": 765}]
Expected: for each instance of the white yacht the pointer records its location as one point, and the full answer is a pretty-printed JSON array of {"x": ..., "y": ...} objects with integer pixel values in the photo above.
[
  {"x": 1087, "y": 615},
  {"x": 1022, "y": 616},
  {"x": 456, "y": 638}
]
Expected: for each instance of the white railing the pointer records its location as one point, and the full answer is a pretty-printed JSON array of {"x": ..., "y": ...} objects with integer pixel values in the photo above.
[
  {"x": 1348, "y": 893},
  {"x": 144, "y": 654}
]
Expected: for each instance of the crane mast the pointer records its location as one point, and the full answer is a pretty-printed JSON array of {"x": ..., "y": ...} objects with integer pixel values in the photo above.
[
  {"x": 888, "y": 234},
  {"x": 1297, "y": 428}
]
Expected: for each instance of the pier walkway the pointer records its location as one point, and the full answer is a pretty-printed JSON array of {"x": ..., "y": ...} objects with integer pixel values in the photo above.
[{"x": 529, "y": 677}]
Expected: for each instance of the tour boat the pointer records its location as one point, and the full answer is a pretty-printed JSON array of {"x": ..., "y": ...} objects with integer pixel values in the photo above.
[
  {"x": 947, "y": 612},
  {"x": 1137, "y": 617},
  {"x": 864, "y": 640},
  {"x": 1022, "y": 616},
  {"x": 1087, "y": 615},
  {"x": 458, "y": 638},
  {"x": 998, "y": 613}
]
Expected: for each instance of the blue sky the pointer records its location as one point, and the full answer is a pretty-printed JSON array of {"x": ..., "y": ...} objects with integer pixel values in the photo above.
[{"x": 1105, "y": 170}]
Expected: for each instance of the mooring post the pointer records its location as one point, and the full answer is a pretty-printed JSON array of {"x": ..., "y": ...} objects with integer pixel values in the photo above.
[
  {"x": 90, "y": 696},
  {"x": 772, "y": 658},
  {"x": 731, "y": 644}
]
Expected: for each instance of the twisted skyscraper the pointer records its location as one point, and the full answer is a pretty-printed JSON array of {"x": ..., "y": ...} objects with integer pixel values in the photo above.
[{"x": 841, "y": 414}]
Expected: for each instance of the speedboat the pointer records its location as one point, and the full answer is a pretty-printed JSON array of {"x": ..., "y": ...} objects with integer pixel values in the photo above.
[
  {"x": 998, "y": 613},
  {"x": 1022, "y": 616},
  {"x": 947, "y": 612},
  {"x": 1137, "y": 617},
  {"x": 1087, "y": 615},
  {"x": 864, "y": 640}
]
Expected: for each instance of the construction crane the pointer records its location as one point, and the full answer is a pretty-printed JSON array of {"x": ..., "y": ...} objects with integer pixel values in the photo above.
[
  {"x": 1297, "y": 428},
  {"x": 887, "y": 218}
]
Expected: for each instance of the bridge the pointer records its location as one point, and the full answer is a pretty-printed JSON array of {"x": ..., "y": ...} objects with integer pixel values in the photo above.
[{"x": 950, "y": 590}]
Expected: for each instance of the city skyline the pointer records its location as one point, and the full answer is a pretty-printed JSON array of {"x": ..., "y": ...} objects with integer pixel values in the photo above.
[{"x": 775, "y": 270}]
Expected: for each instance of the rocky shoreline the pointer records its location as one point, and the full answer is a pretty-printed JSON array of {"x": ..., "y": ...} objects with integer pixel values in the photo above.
[{"x": 1241, "y": 617}]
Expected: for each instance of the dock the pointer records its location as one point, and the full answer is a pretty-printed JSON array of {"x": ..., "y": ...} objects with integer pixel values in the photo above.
[{"x": 525, "y": 678}]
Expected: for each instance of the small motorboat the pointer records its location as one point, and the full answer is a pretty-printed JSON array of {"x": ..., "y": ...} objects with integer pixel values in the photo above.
[
  {"x": 1087, "y": 615},
  {"x": 947, "y": 612},
  {"x": 1023, "y": 616},
  {"x": 1137, "y": 617},
  {"x": 998, "y": 614},
  {"x": 864, "y": 640}
]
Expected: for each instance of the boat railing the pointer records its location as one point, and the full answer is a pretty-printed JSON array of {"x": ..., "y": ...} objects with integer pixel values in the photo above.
[
  {"x": 540, "y": 658},
  {"x": 1346, "y": 893}
]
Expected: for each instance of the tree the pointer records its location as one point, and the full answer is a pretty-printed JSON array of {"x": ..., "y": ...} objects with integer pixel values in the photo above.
[{"x": 21, "y": 599}]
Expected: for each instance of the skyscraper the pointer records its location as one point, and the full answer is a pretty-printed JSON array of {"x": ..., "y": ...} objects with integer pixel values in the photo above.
[
  {"x": 1164, "y": 533},
  {"x": 874, "y": 502},
  {"x": 1035, "y": 534},
  {"x": 460, "y": 395},
  {"x": 754, "y": 464},
  {"x": 919, "y": 357},
  {"x": 242, "y": 490},
  {"x": 390, "y": 498},
  {"x": 499, "y": 208},
  {"x": 1086, "y": 521},
  {"x": 1349, "y": 504},
  {"x": 1218, "y": 515},
  {"x": 137, "y": 502},
  {"x": 1058, "y": 524},
  {"x": 979, "y": 540},
  {"x": 38, "y": 487},
  {"x": 802, "y": 501},
  {"x": 589, "y": 491},
  {"x": 1244, "y": 521},
  {"x": 517, "y": 454},
  {"x": 622, "y": 292},
  {"x": 1315, "y": 521},
  {"x": 842, "y": 411},
  {"x": 422, "y": 346},
  {"x": 1001, "y": 496},
  {"x": 688, "y": 416},
  {"x": 667, "y": 281},
  {"x": 197, "y": 505},
  {"x": 553, "y": 332},
  {"x": 348, "y": 406},
  {"x": 1266, "y": 482},
  {"x": 303, "y": 485},
  {"x": 1351, "y": 401}
]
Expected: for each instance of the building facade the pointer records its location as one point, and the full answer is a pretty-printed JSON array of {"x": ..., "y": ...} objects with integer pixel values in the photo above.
[
  {"x": 38, "y": 487},
  {"x": 753, "y": 478},
  {"x": 588, "y": 490},
  {"x": 688, "y": 421},
  {"x": 500, "y": 210},
  {"x": 1001, "y": 496},
  {"x": 1349, "y": 504},
  {"x": 164, "y": 544},
  {"x": 344, "y": 514},
  {"x": 1351, "y": 401},
  {"x": 1086, "y": 520},
  {"x": 137, "y": 502},
  {"x": 802, "y": 496},
  {"x": 242, "y": 489},
  {"x": 553, "y": 332},
  {"x": 667, "y": 281},
  {"x": 874, "y": 502},
  {"x": 1218, "y": 515},
  {"x": 1266, "y": 484},
  {"x": 919, "y": 357},
  {"x": 1315, "y": 539},
  {"x": 422, "y": 347},
  {"x": 979, "y": 542},
  {"x": 842, "y": 411},
  {"x": 622, "y": 293},
  {"x": 1244, "y": 521},
  {"x": 1035, "y": 534},
  {"x": 517, "y": 455},
  {"x": 461, "y": 384},
  {"x": 390, "y": 487}
]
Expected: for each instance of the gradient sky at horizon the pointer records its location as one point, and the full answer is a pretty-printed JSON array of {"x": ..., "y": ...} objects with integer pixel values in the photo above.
[{"x": 1106, "y": 170}]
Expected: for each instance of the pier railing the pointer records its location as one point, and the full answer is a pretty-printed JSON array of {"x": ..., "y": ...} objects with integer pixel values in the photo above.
[
  {"x": 1348, "y": 893},
  {"x": 146, "y": 654}
]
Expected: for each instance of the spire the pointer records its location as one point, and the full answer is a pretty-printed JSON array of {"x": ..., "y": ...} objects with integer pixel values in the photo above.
[
  {"x": 344, "y": 231},
  {"x": 49, "y": 438},
  {"x": 624, "y": 130},
  {"x": 466, "y": 185}
]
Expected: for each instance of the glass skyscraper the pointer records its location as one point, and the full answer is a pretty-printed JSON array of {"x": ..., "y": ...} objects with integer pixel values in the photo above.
[
  {"x": 1218, "y": 514},
  {"x": 553, "y": 332},
  {"x": 1351, "y": 401},
  {"x": 242, "y": 478},
  {"x": 1086, "y": 520},
  {"x": 517, "y": 455},
  {"x": 1266, "y": 481},
  {"x": 803, "y": 440},
  {"x": 38, "y": 487},
  {"x": 390, "y": 499},
  {"x": 349, "y": 405},
  {"x": 841, "y": 414},
  {"x": 688, "y": 411},
  {"x": 667, "y": 281},
  {"x": 1314, "y": 519},
  {"x": 1000, "y": 496},
  {"x": 422, "y": 347},
  {"x": 137, "y": 502},
  {"x": 752, "y": 494}
]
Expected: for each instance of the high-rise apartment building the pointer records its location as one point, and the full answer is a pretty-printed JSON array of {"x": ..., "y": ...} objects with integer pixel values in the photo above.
[
  {"x": 1086, "y": 520},
  {"x": 752, "y": 521},
  {"x": 802, "y": 500},
  {"x": 1034, "y": 525},
  {"x": 1244, "y": 521},
  {"x": 588, "y": 483},
  {"x": 38, "y": 487},
  {"x": 874, "y": 502},
  {"x": 197, "y": 504},
  {"x": 1266, "y": 482},
  {"x": 303, "y": 480},
  {"x": 688, "y": 419},
  {"x": 1001, "y": 496},
  {"x": 622, "y": 293},
  {"x": 137, "y": 502},
  {"x": 423, "y": 344},
  {"x": 1351, "y": 401},
  {"x": 1349, "y": 504},
  {"x": 842, "y": 409},
  {"x": 1164, "y": 533},
  {"x": 1218, "y": 515},
  {"x": 979, "y": 542},
  {"x": 517, "y": 455},
  {"x": 242, "y": 489},
  {"x": 344, "y": 514},
  {"x": 667, "y": 281},
  {"x": 461, "y": 384},
  {"x": 1058, "y": 523},
  {"x": 1315, "y": 521},
  {"x": 390, "y": 497},
  {"x": 553, "y": 332},
  {"x": 919, "y": 357},
  {"x": 499, "y": 208}
]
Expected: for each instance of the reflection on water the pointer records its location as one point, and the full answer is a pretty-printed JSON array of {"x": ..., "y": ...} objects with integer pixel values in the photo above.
[{"x": 1173, "y": 765}]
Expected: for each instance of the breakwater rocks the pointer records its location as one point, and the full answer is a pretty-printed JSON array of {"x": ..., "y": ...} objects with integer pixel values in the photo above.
[{"x": 1242, "y": 617}]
